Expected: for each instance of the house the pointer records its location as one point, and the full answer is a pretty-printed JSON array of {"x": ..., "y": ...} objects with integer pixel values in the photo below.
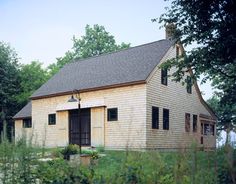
[{"x": 126, "y": 101}]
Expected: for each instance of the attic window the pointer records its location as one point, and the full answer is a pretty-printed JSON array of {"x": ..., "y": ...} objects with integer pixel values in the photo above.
[
  {"x": 27, "y": 123},
  {"x": 189, "y": 85},
  {"x": 164, "y": 76}
]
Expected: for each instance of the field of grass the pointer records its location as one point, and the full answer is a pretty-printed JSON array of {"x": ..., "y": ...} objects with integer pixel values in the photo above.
[{"x": 19, "y": 163}]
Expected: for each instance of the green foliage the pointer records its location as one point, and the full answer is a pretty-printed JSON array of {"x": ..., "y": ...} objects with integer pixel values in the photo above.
[
  {"x": 9, "y": 85},
  {"x": 210, "y": 24},
  {"x": 93, "y": 153},
  {"x": 225, "y": 113},
  {"x": 96, "y": 41},
  {"x": 71, "y": 149},
  {"x": 32, "y": 77}
]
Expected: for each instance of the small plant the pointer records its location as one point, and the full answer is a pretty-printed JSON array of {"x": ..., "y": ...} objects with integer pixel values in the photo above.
[
  {"x": 71, "y": 149},
  {"x": 57, "y": 153},
  {"x": 100, "y": 149},
  {"x": 93, "y": 153}
]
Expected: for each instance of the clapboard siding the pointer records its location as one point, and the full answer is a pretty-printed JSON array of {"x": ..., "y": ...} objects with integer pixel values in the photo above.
[
  {"x": 128, "y": 132},
  {"x": 175, "y": 98}
]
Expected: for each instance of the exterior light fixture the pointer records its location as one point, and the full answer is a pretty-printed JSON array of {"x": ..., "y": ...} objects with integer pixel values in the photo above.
[{"x": 73, "y": 99}]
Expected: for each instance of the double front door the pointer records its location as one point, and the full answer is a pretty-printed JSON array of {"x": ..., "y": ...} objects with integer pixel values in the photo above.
[{"x": 74, "y": 127}]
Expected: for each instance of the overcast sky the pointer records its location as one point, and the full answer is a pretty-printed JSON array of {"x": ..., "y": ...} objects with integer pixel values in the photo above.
[{"x": 43, "y": 30}]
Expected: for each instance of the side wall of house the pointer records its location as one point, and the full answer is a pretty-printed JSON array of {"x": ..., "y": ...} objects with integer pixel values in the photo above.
[
  {"x": 175, "y": 98},
  {"x": 21, "y": 132},
  {"x": 128, "y": 132}
]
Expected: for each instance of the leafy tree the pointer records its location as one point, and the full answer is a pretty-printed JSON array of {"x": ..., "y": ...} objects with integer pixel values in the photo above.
[
  {"x": 96, "y": 41},
  {"x": 211, "y": 25},
  {"x": 32, "y": 77},
  {"x": 9, "y": 85}
]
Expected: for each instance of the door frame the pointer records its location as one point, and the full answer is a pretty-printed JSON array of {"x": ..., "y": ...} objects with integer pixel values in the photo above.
[{"x": 70, "y": 112}]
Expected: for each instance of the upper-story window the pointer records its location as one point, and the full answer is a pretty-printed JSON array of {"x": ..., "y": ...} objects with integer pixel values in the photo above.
[
  {"x": 164, "y": 76},
  {"x": 177, "y": 51},
  {"x": 165, "y": 119},
  {"x": 112, "y": 114},
  {"x": 52, "y": 119},
  {"x": 155, "y": 117},
  {"x": 189, "y": 85},
  {"x": 27, "y": 123}
]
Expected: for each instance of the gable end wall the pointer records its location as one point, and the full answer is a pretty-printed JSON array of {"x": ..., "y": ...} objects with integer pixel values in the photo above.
[{"x": 175, "y": 98}]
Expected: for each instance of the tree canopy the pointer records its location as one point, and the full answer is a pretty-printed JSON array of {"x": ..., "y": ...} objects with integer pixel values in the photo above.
[
  {"x": 32, "y": 76},
  {"x": 96, "y": 41},
  {"x": 210, "y": 25},
  {"x": 9, "y": 83}
]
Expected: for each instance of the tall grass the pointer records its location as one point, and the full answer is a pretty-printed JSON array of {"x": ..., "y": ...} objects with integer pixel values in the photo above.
[{"x": 19, "y": 164}]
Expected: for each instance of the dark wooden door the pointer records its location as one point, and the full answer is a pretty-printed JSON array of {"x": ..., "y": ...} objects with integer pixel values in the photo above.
[{"x": 85, "y": 127}]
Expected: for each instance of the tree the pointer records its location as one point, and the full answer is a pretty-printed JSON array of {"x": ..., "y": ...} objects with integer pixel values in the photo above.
[
  {"x": 9, "y": 85},
  {"x": 96, "y": 41},
  {"x": 32, "y": 76},
  {"x": 225, "y": 114},
  {"x": 211, "y": 25}
]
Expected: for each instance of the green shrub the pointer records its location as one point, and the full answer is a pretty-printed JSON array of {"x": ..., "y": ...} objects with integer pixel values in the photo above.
[
  {"x": 71, "y": 149},
  {"x": 57, "y": 153},
  {"x": 93, "y": 153}
]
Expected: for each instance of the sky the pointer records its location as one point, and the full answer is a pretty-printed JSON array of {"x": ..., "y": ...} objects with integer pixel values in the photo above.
[{"x": 43, "y": 30}]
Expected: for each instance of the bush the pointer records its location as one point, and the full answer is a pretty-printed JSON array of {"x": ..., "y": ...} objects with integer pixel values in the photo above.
[
  {"x": 71, "y": 149},
  {"x": 93, "y": 153}
]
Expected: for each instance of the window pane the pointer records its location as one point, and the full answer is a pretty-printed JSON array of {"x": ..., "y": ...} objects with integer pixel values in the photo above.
[
  {"x": 52, "y": 119},
  {"x": 194, "y": 123},
  {"x": 27, "y": 123},
  {"x": 155, "y": 117},
  {"x": 189, "y": 85},
  {"x": 165, "y": 119},
  {"x": 164, "y": 76},
  {"x": 112, "y": 114},
  {"x": 187, "y": 122}
]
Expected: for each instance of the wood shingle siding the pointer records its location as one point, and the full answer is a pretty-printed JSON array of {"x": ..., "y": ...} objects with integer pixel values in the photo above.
[{"x": 175, "y": 98}]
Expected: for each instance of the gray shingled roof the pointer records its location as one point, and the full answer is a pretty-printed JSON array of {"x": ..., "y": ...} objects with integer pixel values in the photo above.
[
  {"x": 24, "y": 112},
  {"x": 129, "y": 65}
]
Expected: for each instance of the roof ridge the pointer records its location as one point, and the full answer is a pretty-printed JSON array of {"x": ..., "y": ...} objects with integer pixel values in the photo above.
[{"x": 108, "y": 53}]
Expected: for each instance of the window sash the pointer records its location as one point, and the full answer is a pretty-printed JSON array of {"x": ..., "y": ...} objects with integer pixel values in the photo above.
[
  {"x": 187, "y": 122},
  {"x": 112, "y": 114},
  {"x": 27, "y": 123},
  {"x": 155, "y": 118},
  {"x": 52, "y": 119},
  {"x": 164, "y": 76},
  {"x": 165, "y": 119},
  {"x": 195, "y": 123}
]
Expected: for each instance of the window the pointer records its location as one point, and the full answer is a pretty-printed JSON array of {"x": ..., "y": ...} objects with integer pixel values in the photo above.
[
  {"x": 189, "y": 85},
  {"x": 177, "y": 51},
  {"x": 112, "y": 114},
  {"x": 187, "y": 122},
  {"x": 209, "y": 129},
  {"x": 52, "y": 119},
  {"x": 165, "y": 119},
  {"x": 212, "y": 129},
  {"x": 155, "y": 117},
  {"x": 27, "y": 123},
  {"x": 194, "y": 123},
  {"x": 164, "y": 76}
]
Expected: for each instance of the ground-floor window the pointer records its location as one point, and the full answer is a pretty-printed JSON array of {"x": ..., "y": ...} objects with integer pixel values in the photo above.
[{"x": 27, "y": 123}]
